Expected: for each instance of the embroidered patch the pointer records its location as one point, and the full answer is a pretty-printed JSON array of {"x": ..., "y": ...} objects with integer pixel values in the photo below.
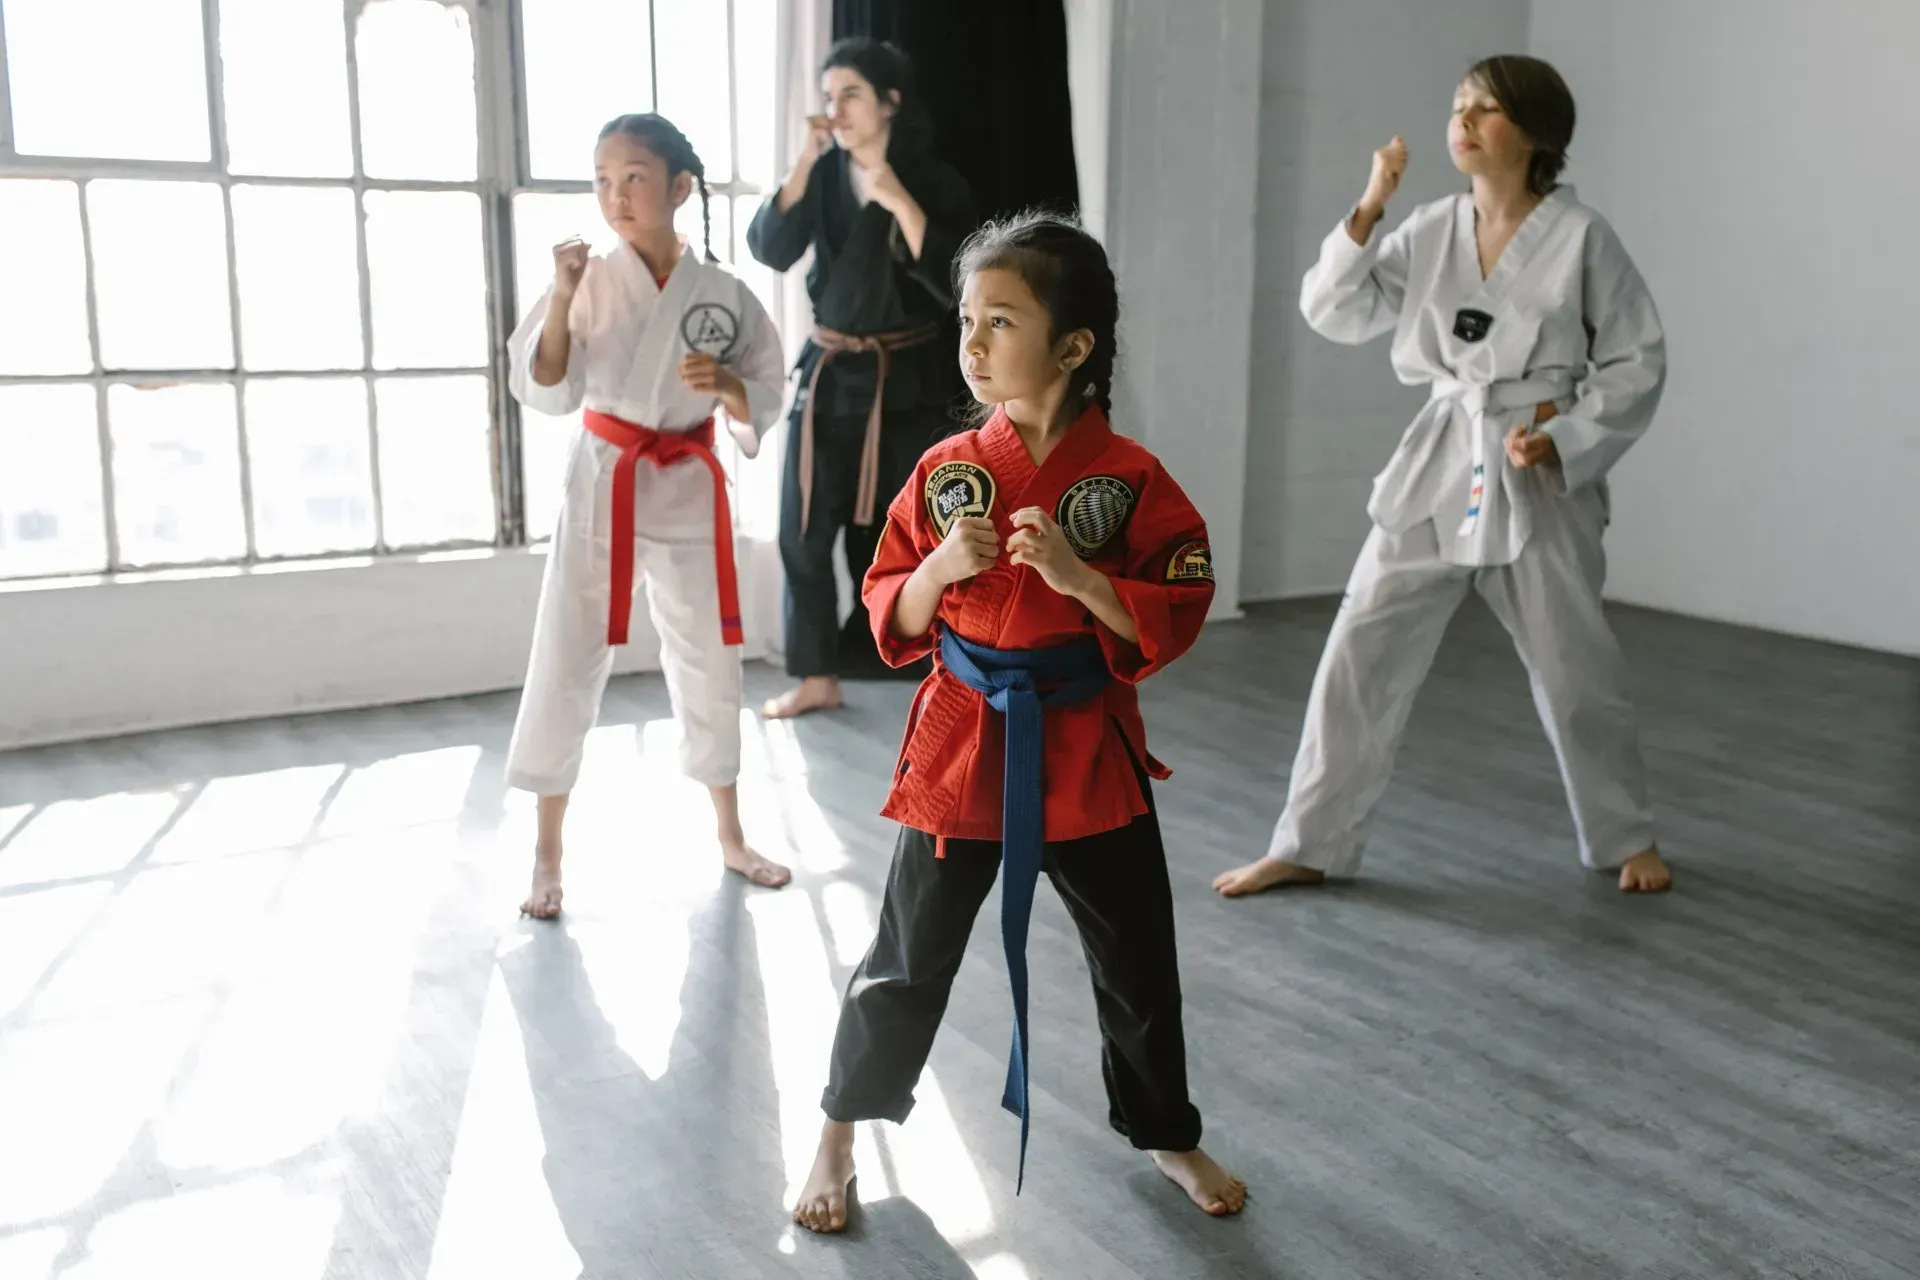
[
  {"x": 1092, "y": 511},
  {"x": 710, "y": 328},
  {"x": 1470, "y": 325},
  {"x": 956, "y": 489},
  {"x": 1191, "y": 563}
]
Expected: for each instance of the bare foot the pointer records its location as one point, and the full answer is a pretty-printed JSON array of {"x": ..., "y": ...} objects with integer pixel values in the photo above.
[
  {"x": 1206, "y": 1183},
  {"x": 1268, "y": 873},
  {"x": 740, "y": 857},
  {"x": 543, "y": 900},
  {"x": 1645, "y": 873},
  {"x": 823, "y": 1201},
  {"x": 815, "y": 693}
]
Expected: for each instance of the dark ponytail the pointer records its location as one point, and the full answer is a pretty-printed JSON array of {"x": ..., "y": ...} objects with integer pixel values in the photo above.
[
  {"x": 1069, "y": 274},
  {"x": 658, "y": 135},
  {"x": 890, "y": 72}
]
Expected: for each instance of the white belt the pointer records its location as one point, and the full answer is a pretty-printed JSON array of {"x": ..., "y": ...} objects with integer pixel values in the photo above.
[{"x": 1481, "y": 400}]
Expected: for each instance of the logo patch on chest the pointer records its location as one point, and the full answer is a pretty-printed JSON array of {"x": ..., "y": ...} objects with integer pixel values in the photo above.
[
  {"x": 710, "y": 328},
  {"x": 1193, "y": 562},
  {"x": 1092, "y": 511},
  {"x": 956, "y": 489},
  {"x": 1470, "y": 325}
]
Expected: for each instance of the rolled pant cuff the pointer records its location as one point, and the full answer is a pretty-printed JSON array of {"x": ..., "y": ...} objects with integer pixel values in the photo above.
[
  {"x": 845, "y": 1110},
  {"x": 541, "y": 784},
  {"x": 1183, "y": 1137}
]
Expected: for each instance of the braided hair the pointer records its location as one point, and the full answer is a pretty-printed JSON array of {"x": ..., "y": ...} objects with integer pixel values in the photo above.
[
  {"x": 1069, "y": 274},
  {"x": 660, "y": 136}
]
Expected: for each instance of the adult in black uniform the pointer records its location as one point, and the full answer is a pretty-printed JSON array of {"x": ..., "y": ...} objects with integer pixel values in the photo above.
[{"x": 884, "y": 218}]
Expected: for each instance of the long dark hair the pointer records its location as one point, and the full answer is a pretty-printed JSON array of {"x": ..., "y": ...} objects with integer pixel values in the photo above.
[
  {"x": 660, "y": 136},
  {"x": 1069, "y": 274},
  {"x": 889, "y": 71},
  {"x": 1536, "y": 99}
]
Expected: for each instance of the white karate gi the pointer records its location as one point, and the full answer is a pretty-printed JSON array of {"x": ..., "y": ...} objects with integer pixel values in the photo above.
[
  {"x": 1571, "y": 322},
  {"x": 629, "y": 336}
]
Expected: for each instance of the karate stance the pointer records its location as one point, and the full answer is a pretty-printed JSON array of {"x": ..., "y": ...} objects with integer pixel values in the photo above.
[
  {"x": 1049, "y": 565},
  {"x": 883, "y": 217},
  {"x": 650, "y": 339},
  {"x": 1520, "y": 309}
]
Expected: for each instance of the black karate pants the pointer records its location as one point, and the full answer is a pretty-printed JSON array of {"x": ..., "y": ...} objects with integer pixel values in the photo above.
[
  {"x": 1115, "y": 888},
  {"x": 819, "y": 642}
]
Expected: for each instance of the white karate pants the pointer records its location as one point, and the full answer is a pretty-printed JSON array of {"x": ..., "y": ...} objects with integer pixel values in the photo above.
[
  {"x": 1398, "y": 603},
  {"x": 571, "y": 659}
]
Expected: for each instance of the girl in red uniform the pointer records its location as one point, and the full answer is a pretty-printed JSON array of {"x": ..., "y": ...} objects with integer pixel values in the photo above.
[{"x": 1049, "y": 565}]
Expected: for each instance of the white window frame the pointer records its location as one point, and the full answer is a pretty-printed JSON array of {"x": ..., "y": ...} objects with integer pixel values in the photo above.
[{"x": 504, "y": 171}]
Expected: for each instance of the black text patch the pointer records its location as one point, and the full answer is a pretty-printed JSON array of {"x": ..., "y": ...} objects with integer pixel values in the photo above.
[
  {"x": 1191, "y": 563},
  {"x": 710, "y": 328},
  {"x": 956, "y": 489},
  {"x": 1092, "y": 511}
]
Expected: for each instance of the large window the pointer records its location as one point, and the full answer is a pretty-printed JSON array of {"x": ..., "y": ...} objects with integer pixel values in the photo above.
[{"x": 259, "y": 258}]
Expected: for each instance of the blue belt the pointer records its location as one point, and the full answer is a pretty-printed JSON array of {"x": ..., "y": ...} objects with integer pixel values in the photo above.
[{"x": 1010, "y": 680}]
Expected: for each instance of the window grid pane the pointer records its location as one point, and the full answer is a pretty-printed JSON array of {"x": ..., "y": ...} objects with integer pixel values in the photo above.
[{"x": 203, "y": 460}]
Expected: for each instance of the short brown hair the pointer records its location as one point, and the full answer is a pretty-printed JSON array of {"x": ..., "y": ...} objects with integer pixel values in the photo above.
[{"x": 1536, "y": 99}]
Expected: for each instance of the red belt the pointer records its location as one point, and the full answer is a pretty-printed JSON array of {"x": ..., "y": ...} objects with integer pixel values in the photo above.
[
  {"x": 663, "y": 448},
  {"x": 831, "y": 344}
]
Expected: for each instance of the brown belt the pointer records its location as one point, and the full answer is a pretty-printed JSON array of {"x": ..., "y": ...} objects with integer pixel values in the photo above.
[{"x": 831, "y": 344}]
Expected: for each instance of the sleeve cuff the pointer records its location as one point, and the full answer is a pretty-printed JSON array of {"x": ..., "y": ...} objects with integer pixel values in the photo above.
[
  {"x": 1340, "y": 252},
  {"x": 1581, "y": 458},
  {"x": 560, "y": 399},
  {"x": 881, "y": 595},
  {"x": 1152, "y": 618}
]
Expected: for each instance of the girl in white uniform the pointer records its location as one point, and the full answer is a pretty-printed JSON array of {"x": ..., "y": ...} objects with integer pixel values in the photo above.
[
  {"x": 650, "y": 340},
  {"x": 1521, "y": 311}
]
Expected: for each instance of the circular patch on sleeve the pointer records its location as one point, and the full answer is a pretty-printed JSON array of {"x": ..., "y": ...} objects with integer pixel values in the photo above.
[
  {"x": 1193, "y": 562},
  {"x": 1092, "y": 511}
]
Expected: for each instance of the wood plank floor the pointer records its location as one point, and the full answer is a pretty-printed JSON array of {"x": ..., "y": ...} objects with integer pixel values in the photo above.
[{"x": 266, "y": 1009}]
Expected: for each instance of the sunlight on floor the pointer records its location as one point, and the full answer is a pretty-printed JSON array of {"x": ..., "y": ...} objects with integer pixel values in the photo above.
[
  {"x": 802, "y": 1007},
  {"x": 404, "y": 791},
  {"x": 238, "y": 997},
  {"x": 304, "y": 1040},
  {"x": 637, "y": 968},
  {"x": 248, "y": 1231},
  {"x": 775, "y": 797},
  {"x": 850, "y": 920},
  {"x": 36, "y": 928},
  {"x": 173, "y": 931},
  {"x": 935, "y": 1170},
  {"x": 77, "y": 1094},
  {"x": 1001, "y": 1266},
  {"x": 249, "y": 813},
  {"x": 74, "y": 838},
  {"x": 31, "y": 1254},
  {"x": 498, "y": 1217}
]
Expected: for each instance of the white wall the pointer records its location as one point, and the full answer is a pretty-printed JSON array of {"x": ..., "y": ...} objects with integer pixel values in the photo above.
[
  {"x": 1089, "y": 84},
  {"x": 1757, "y": 158},
  {"x": 156, "y": 651},
  {"x": 1184, "y": 121},
  {"x": 1340, "y": 78}
]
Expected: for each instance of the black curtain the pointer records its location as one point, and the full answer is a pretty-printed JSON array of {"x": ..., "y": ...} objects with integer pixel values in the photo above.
[{"x": 993, "y": 74}]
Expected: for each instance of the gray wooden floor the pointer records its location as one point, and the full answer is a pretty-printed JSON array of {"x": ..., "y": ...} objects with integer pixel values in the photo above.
[{"x": 266, "y": 1010}]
